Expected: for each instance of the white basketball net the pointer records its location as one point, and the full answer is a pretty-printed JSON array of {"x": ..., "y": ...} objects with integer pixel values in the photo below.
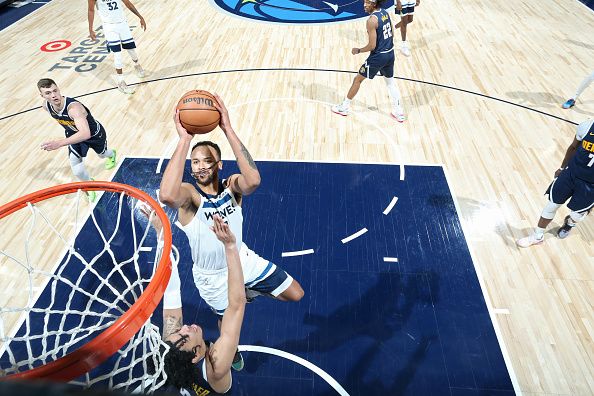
[{"x": 65, "y": 277}]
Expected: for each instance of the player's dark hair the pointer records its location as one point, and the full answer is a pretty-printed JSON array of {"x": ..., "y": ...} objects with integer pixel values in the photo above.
[
  {"x": 45, "y": 83},
  {"x": 179, "y": 368},
  {"x": 208, "y": 143}
]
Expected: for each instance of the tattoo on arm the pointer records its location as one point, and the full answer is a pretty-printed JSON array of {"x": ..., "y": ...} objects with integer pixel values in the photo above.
[
  {"x": 248, "y": 157},
  {"x": 172, "y": 324}
]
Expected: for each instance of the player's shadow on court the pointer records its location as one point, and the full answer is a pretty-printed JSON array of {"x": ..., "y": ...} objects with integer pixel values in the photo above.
[
  {"x": 400, "y": 381},
  {"x": 544, "y": 99},
  {"x": 379, "y": 314},
  {"x": 188, "y": 67}
]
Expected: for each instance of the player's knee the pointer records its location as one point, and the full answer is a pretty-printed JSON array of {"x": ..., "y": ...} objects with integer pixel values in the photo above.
[
  {"x": 549, "y": 210},
  {"x": 117, "y": 60}
]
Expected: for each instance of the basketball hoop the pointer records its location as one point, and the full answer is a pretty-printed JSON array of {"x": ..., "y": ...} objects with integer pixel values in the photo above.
[{"x": 65, "y": 349}]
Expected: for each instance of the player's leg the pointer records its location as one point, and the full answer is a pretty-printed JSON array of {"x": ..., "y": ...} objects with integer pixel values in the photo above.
[
  {"x": 583, "y": 85},
  {"x": 76, "y": 154},
  {"x": 98, "y": 142},
  {"x": 114, "y": 45},
  {"x": 580, "y": 204},
  {"x": 560, "y": 190},
  {"x": 129, "y": 45},
  {"x": 388, "y": 72},
  {"x": 365, "y": 71}
]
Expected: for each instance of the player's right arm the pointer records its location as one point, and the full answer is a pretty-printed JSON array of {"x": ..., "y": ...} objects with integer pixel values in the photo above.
[
  {"x": 91, "y": 17},
  {"x": 223, "y": 350},
  {"x": 173, "y": 192}
]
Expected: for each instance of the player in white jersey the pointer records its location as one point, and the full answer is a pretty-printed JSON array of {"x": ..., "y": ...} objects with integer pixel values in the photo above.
[
  {"x": 196, "y": 206},
  {"x": 406, "y": 9},
  {"x": 117, "y": 34}
]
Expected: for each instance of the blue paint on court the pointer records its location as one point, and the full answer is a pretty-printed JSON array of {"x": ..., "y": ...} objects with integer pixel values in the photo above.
[{"x": 416, "y": 327}]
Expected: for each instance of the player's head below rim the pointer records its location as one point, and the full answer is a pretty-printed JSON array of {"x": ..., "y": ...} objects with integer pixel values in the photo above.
[
  {"x": 205, "y": 162},
  {"x": 186, "y": 348}
]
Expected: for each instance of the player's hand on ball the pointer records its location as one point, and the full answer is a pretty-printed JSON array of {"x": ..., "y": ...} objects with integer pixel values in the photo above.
[
  {"x": 181, "y": 131},
  {"x": 222, "y": 231},
  {"x": 225, "y": 122}
]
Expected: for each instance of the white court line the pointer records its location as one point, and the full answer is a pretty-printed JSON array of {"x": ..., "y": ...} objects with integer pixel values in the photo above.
[
  {"x": 391, "y": 205},
  {"x": 145, "y": 249},
  {"x": 479, "y": 275},
  {"x": 502, "y": 311},
  {"x": 289, "y": 356},
  {"x": 391, "y": 259},
  {"x": 297, "y": 253},
  {"x": 355, "y": 235}
]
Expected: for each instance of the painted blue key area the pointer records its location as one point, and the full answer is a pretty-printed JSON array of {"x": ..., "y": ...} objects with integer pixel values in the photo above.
[{"x": 416, "y": 327}]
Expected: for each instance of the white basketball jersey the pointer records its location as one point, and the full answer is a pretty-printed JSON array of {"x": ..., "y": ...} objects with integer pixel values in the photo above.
[
  {"x": 208, "y": 253},
  {"x": 111, "y": 11}
]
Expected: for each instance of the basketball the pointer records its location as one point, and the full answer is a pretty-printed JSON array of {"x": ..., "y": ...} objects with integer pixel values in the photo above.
[{"x": 197, "y": 112}]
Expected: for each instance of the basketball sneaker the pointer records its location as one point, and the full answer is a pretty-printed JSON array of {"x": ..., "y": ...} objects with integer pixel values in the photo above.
[
  {"x": 405, "y": 49},
  {"x": 341, "y": 109},
  {"x": 529, "y": 241},
  {"x": 565, "y": 229},
  {"x": 237, "y": 364},
  {"x": 91, "y": 195},
  {"x": 398, "y": 114},
  {"x": 139, "y": 70},
  {"x": 125, "y": 88},
  {"x": 111, "y": 161},
  {"x": 568, "y": 104}
]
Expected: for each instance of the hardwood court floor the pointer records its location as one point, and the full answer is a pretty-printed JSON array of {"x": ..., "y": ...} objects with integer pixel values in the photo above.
[{"x": 499, "y": 157}]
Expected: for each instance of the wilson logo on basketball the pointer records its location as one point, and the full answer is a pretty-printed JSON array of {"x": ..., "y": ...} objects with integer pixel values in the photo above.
[
  {"x": 196, "y": 100},
  {"x": 294, "y": 11}
]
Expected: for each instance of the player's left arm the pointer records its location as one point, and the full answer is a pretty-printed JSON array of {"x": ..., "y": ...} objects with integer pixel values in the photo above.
[
  {"x": 131, "y": 7},
  {"x": 248, "y": 180},
  {"x": 371, "y": 32}
]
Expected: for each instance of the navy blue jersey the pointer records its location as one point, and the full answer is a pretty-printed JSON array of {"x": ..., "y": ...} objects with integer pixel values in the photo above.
[
  {"x": 67, "y": 122},
  {"x": 384, "y": 42},
  {"x": 582, "y": 162}
]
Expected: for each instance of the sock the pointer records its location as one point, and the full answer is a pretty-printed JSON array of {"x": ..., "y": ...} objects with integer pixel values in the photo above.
[
  {"x": 106, "y": 154},
  {"x": 539, "y": 232},
  {"x": 346, "y": 102}
]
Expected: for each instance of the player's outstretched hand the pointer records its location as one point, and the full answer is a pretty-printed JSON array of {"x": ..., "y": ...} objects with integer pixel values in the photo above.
[
  {"x": 181, "y": 131},
  {"x": 51, "y": 146},
  {"x": 225, "y": 122},
  {"x": 222, "y": 231}
]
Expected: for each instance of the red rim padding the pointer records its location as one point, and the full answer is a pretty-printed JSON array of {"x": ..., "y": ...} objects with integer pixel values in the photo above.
[{"x": 112, "y": 339}]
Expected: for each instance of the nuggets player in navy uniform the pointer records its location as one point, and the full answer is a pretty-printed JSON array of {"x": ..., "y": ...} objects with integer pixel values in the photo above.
[
  {"x": 380, "y": 60},
  {"x": 194, "y": 366},
  {"x": 574, "y": 181},
  {"x": 82, "y": 131}
]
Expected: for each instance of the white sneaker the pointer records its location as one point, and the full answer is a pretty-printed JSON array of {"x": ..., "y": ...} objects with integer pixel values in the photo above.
[
  {"x": 125, "y": 88},
  {"x": 341, "y": 109},
  {"x": 139, "y": 70},
  {"x": 398, "y": 114},
  {"x": 405, "y": 49},
  {"x": 529, "y": 241}
]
